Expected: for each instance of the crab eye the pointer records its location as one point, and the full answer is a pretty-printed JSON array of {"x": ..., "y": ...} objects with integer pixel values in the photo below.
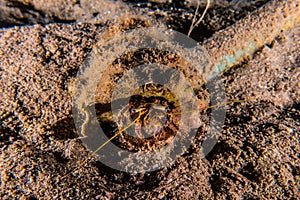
[
  {"x": 133, "y": 110},
  {"x": 167, "y": 108}
]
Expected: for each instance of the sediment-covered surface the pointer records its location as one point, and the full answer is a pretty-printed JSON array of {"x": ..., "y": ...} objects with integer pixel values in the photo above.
[{"x": 256, "y": 157}]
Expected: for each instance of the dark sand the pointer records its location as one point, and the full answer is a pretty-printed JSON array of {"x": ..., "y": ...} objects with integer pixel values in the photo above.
[{"x": 256, "y": 157}]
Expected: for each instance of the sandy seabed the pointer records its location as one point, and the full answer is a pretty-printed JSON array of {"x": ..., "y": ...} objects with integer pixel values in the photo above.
[{"x": 41, "y": 49}]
